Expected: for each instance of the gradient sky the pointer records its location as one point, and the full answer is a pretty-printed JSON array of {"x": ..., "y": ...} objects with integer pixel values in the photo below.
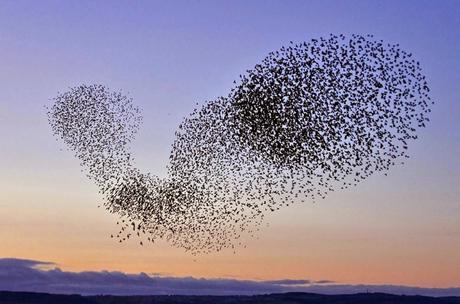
[{"x": 403, "y": 228}]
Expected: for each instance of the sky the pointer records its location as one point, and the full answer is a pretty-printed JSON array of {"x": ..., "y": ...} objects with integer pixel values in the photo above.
[{"x": 400, "y": 229}]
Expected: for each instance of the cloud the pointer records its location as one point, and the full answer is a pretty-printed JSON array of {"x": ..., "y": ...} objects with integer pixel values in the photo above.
[
  {"x": 288, "y": 282},
  {"x": 324, "y": 282},
  {"x": 38, "y": 276},
  {"x": 29, "y": 275}
]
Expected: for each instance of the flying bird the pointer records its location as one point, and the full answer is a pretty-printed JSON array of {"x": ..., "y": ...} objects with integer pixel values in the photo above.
[{"x": 310, "y": 118}]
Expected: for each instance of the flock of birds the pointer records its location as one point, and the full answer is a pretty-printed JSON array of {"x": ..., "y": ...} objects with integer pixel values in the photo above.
[{"x": 309, "y": 119}]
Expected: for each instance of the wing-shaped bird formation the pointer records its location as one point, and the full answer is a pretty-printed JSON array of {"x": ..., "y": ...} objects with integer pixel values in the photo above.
[{"x": 309, "y": 119}]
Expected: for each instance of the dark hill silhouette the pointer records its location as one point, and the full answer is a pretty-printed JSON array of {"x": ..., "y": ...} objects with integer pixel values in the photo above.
[{"x": 7, "y": 297}]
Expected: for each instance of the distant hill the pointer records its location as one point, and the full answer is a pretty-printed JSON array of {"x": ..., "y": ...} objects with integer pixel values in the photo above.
[{"x": 7, "y": 297}]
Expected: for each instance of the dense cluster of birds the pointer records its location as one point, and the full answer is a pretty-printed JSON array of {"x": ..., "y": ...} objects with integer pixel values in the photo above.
[{"x": 310, "y": 118}]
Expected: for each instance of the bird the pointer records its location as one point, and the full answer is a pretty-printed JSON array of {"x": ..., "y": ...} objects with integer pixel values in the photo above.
[{"x": 309, "y": 119}]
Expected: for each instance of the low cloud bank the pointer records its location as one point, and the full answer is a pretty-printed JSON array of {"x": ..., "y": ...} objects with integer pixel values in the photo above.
[{"x": 39, "y": 276}]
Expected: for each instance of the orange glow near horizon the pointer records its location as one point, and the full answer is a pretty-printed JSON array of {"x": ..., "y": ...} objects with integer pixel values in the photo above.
[{"x": 311, "y": 245}]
